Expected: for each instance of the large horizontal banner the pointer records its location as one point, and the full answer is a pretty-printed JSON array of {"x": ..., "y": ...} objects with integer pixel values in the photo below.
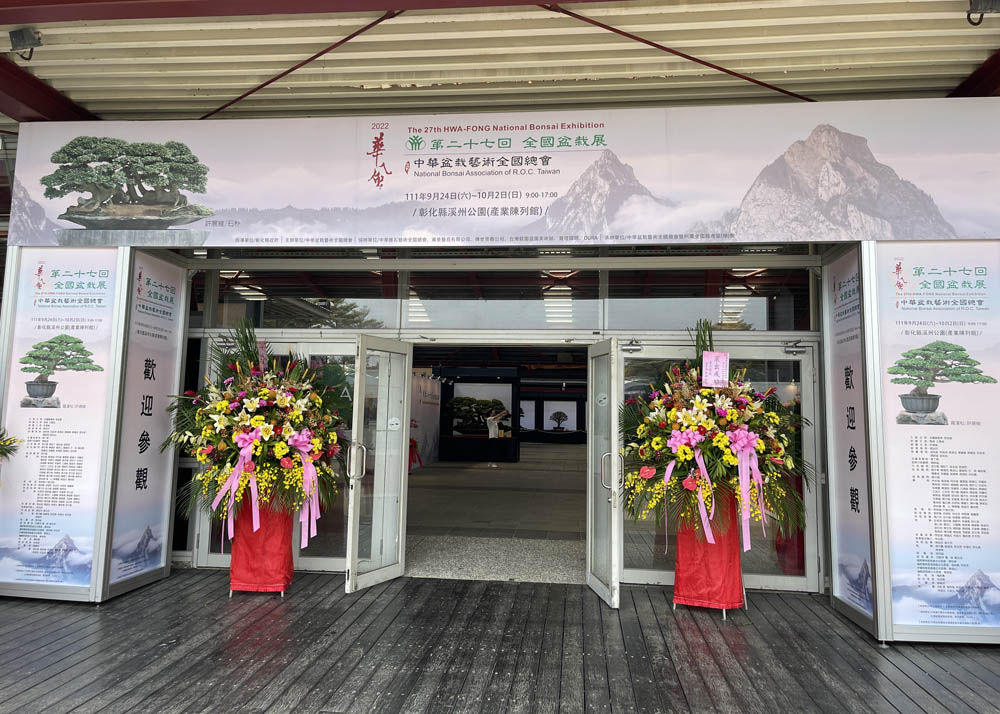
[{"x": 837, "y": 171}]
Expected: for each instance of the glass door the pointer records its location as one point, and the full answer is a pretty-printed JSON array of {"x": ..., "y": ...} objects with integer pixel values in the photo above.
[
  {"x": 773, "y": 562},
  {"x": 334, "y": 364},
  {"x": 376, "y": 523},
  {"x": 327, "y": 551},
  {"x": 604, "y": 471}
]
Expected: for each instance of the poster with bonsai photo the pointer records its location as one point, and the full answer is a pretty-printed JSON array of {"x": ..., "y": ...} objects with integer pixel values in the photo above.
[
  {"x": 828, "y": 171},
  {"x": 56, "y": 398},
  {"x": 939, "y": 335}
]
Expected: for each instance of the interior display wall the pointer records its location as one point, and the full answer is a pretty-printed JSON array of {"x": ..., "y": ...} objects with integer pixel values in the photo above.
[
  {"x": 567, "y": 407},
  {"x": 425, "y": 411},
  {"x": 477, "y": 390},
  {"x": 528, "y": 420}
]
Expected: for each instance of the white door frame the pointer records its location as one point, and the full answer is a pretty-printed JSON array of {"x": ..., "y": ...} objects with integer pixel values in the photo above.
[
  {"x": 385, "y": 433},
  {"x": 604, "y": 493},
  {"x": 807, "y": 353}
]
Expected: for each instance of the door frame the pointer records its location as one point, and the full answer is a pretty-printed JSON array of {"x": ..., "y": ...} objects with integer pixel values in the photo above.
[
  {"x": 612, "y": 487},
  {"x": 807, "y": 351},
  {"x": 736, "y": 341},
  {"x": 203, "y": 556},
  {"x": 357, "y": 467}
]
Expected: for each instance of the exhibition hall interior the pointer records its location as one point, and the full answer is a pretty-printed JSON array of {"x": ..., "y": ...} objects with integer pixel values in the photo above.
[{"x": 509, "y": 507}]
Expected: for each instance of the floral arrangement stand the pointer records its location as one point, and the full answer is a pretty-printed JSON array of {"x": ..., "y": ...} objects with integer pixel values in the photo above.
[
  {"x": 709, "y": 575},
  {"x": 268, "y": 444},
  {"x": 262, "y": 559},
  {"x": 711, "y": 461}
]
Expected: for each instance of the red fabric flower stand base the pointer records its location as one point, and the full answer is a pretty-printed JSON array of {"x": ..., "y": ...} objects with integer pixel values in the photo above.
[
  {"x": 262, "y": 561},
  {"x": 707, "y": 575}
]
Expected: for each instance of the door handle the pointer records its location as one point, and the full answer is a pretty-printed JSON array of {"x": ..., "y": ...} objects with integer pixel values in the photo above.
[
  {"x": 603, "y": 480},
  {"x": 363, "y": 459}
]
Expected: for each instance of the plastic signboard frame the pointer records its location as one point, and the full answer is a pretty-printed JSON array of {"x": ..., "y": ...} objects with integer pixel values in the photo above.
[{"x": 842, "y": 606}]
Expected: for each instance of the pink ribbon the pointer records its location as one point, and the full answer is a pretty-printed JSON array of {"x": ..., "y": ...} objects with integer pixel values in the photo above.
[
  {"x": 302, "y": 442},
  {"x": 245, "y": 442},
  {"x": 705, "y": 516},
  {"x": 743, "y": 445},
  {"x": 666, "y": 516}
]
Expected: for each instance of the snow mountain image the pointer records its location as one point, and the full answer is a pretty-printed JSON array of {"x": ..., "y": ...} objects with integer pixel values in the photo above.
[
  {"x": 828, "y": 186},
  {"x": 58, "y": 556},
  {"x": 979, "y": 594},
  {"x": 594, "y": 199},
  {"x": 977, "y": 602},
  {"x": 831, "y": 187},
  {"x": 861, "y": 584},
  {"x": 31, "y": 219}
]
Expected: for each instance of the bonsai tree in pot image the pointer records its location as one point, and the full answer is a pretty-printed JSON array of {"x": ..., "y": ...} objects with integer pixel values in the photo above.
[
  {"x": 559, "y": 418},
  {"x": 62, "y": 353},
  {"x": 935, "y": 363},
  {"x": 131, "y": 185}
]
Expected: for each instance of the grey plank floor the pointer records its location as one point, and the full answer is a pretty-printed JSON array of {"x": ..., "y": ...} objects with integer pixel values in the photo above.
[{"x": 422, "y": 645}]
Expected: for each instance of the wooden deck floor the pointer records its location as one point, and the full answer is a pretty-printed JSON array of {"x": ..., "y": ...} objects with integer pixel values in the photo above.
[{"x": 441, "y": 646}]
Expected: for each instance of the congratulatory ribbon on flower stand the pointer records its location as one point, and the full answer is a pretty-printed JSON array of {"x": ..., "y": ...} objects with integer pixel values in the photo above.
[
  {"x": 743, "y": 443},
  {"x": 705, "y": 517},
  {"x": 245, "y": 442},
  {"x": 302, "y": 442}
]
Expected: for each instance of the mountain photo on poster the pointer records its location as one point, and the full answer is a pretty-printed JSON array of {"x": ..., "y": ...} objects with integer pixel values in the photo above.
[
  {"x": 856, "y": 581},
  {"x": 977, "y": 602},
  {"x": 63, "y": 563},
  {"x": 591, "y": 204},
  {"x": 136, "y": 553},
  {"x": 827, "y": 187}
]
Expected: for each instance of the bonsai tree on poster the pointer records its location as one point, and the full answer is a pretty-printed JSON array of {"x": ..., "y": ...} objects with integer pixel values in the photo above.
[
  {"x": 62, "y": 353},
  {"x": 938, "y": 362},
  {"x": 134, "y": 185},
  {"x": 559, "y": 418},
  {"x": 468, "y": 414}
]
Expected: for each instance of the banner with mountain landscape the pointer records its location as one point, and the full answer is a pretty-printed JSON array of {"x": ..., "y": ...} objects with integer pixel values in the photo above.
[{"x": 832, "y": 171}]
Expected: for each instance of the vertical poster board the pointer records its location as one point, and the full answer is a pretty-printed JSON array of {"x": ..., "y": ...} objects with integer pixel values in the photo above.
[
  {"x": 847, "y": 450},
  {"x": 145, "y": 475},
  {"x": 939, "y": 339},
  {"x": 62, "y": 333}
]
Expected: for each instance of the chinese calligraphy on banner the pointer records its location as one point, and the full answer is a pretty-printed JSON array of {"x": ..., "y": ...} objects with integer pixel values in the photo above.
[
  {"x": 56, "y": 399},
  {"x": 574, "y": 177},
  {"x": 940, "y": 347},
  {"x": 145, "y": 474},
  {"x": 850, "y": 511}
]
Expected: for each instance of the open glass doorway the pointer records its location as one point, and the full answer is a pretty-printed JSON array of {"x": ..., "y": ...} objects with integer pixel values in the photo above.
[
  {"x": 509, "y": 503},
  {"x": 364, "y": 533}
]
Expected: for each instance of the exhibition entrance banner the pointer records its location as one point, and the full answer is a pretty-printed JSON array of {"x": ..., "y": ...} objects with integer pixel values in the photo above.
[
  {"x": 827, "y": 171},
  {"x": 56, "y": 399},
  {"x": 848, "y": 474},
  {"x": 145, "y": 474},
  {"x": 939, "y": 332}
]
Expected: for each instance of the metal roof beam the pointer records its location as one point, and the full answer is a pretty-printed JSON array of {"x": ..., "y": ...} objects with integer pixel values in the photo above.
[
  {"x": 24, "y": 97},
  {"x": 22, "y": 12},
  {"x": 984, "y": 82}
]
